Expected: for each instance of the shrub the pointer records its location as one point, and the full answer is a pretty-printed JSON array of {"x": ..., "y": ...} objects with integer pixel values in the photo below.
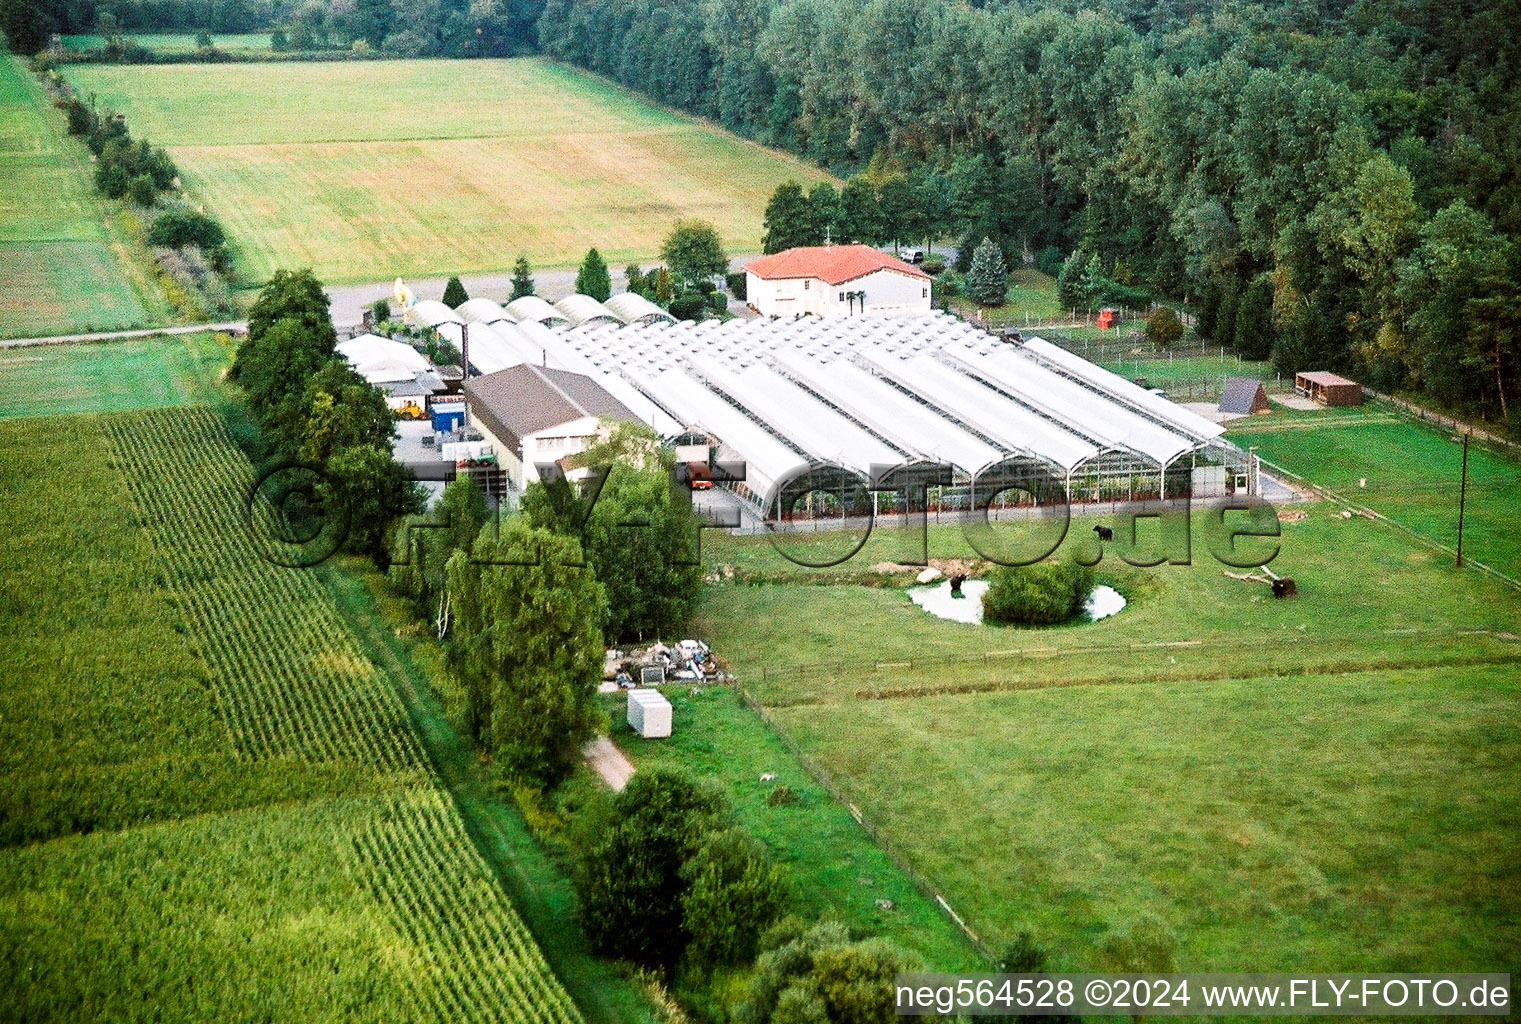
[
  {"x": 112, "y": 180},
  {"x": 455, "y": 294},
  {"x": 178, "y": 227},
  {"x": 1163, "y": 327},
  {"x": 733, "y": 894},
  {"x": 278, "y": 41},
  {"x": 203, "y": 40},
  {"x": 81, "y": 117},
  {"x": 1042, "y": 594},
  {"x": 141, "y": 190},
  {"x": 934, "y": 266},
  {"x": 736, "y": 282},
  {"x": 688, "y": 305},
  {"x": 628, "y": 875}
]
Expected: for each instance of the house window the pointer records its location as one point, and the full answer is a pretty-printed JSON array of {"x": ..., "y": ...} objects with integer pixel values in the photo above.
[
  {"x": 925, "y": 294},
  {"x": 842, "y": 296},
  {"x": 551, "y": 444},
  {"x": 806, "y": 284}
]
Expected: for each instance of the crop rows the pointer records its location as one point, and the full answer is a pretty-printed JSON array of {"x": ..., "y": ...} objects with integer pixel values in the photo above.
[
  {"x": 477, "y": 960},
  {"x": 288, "y": 675}
]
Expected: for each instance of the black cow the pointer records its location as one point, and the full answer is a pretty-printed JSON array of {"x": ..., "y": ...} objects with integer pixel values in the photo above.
[
  {"x": 1104, "y": 532},
  {"x": 956, "y": 582}
]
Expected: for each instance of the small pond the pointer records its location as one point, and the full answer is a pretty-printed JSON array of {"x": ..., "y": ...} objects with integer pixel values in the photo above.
[{"x": 937, "y": 599}]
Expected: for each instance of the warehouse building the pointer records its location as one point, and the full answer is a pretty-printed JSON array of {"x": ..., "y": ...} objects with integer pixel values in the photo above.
[{"x": 854, "y": 392}]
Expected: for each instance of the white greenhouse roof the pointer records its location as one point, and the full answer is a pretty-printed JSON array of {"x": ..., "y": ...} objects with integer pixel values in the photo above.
[
  {"x": 799, "y": 417},
  {"x": 872, "y": 401},
  {"x": 578, "y": 309},
  {"x": 1153, "y": 406},
  {"x": 531, "y": 307},
  {"x": 379, "y": 360},
  {"x": 631, "y": 307},
  {"x": 432, "y": 313},
  {"x": 482, "y": 311}
]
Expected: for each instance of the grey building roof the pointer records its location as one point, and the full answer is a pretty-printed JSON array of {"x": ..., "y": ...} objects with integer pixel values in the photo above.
[
  {"x": 523, "y": 399},
  {"x": 1241, "y": 395}
]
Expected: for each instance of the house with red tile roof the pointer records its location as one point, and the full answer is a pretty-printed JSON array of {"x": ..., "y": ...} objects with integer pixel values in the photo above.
[{"x": 835, "y": 280}]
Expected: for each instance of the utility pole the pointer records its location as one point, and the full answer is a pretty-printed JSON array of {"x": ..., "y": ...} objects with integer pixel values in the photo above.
[{"x": 1462, "y": 496}]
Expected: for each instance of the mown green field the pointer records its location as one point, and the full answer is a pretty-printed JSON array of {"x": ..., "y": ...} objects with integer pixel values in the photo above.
[
  {"x": 835, "y": 868},
  {"x": 1412, "y": 474},
  {"x": 64, "y": 265},
  {"x": 138, "y": 373},
  {"x": 215, "y": 806},
  {"x": 1321, "y": 783},
  {"x": 369, "y": 170},
  {"x": 175, "y": 42},
  {"x": 1355, "y": 822}
]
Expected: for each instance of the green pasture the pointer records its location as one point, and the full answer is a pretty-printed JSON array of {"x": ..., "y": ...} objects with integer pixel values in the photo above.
[
  {"x": 1355, "y": 822},
  {"x": 136, "y": 373},
  {"x": 370, "y": 170},
  {"x": 834, "y": 867},
  {"x": 64, "y": 264},
  {"x": 174, "y": 42},
  {"x": 1369, "y": 598},
  {"x": 1400, "y": 467}
]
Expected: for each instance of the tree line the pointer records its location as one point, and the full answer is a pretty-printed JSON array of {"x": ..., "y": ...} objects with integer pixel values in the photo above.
[{"x": 1332, "y": 183}]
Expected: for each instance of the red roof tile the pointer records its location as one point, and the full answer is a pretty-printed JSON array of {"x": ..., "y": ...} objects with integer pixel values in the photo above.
[{"x": 833, "y": 264}]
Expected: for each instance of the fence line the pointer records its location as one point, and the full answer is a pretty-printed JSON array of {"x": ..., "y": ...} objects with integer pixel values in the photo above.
[
  {"x": 1446, "y": 422},
  {"x": 889, "y": 850},
  {"x": 1329, "y": 495}
]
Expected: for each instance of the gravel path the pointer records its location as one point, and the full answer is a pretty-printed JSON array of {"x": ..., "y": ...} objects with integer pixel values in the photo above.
[
  {"x": 609, "y": 762},
  {"x": 148, "y": 332}
]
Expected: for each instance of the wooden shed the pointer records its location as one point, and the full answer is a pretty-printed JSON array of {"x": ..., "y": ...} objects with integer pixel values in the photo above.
[{"x": 1328, "y": 388}]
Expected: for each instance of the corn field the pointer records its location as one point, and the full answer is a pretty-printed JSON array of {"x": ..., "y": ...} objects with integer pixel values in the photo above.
[
  {"x": 475, "y": 959},
  {"x": 288, "y": 675},
  {"x": 355, "y": 895}
]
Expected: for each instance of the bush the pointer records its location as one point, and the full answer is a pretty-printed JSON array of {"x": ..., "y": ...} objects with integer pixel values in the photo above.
[
  {"x": 178, "y": 227},
  {"x": 278, "y": 41},
  {"x": 733, "y": 894},
  {"x": 1163, "y": 327},
  {"x": 781, "y": 796},
  {"x": 81, "y": 117},
  {"x": 141, "y": 190},
  {"x": 736, "y": 282},
  {"x": 1042, "y": 594},
  {"x": 934, "y": 266},
  {"x": 629, "y": 872},
  {"x": 112, "y": 180},
  {"x": 688, "y": 305},
  {"x": 455, "y": 294}
]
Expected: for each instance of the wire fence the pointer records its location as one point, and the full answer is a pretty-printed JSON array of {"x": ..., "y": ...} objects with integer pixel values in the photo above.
[{"x": 888, "y": 847}]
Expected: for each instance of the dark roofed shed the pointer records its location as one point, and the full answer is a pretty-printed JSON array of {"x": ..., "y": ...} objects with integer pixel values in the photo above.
[{"x": 1244, "y": 396}]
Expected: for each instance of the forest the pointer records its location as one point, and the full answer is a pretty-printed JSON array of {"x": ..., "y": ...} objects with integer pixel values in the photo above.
[
  {"x": 1331, "y": 184},
  {"x": 1341, "y": 176}
]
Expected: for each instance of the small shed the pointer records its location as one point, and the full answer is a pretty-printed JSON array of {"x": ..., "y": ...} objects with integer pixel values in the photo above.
[
  {"x": 1105, "y": 319},
  {"x": 1244, "y": 396},
  {"x": 649, "y": 713},
  {"x": 1328, "y": 388}
]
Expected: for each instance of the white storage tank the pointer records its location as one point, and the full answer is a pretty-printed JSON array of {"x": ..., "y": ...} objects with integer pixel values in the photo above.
[{"x": 649, "y": 713}]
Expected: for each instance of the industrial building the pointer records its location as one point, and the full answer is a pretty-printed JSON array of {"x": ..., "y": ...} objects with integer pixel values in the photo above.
[{"x": 860, "y": 392}]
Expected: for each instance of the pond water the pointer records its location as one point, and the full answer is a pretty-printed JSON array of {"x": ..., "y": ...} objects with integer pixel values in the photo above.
[
  {"x": 938, "y": 600},
  {"x": 1101, "y": 603}
]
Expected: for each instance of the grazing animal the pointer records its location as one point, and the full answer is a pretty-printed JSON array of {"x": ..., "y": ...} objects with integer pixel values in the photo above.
[
  {"x": 956, "y": 582},
  {"x": 1104, "y": 532},
  {"x": 1285, "y": 587}
]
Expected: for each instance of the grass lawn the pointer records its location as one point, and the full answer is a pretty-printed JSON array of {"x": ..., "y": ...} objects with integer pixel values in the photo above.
[
  {"x": 369, "y": 170},
  {"x": 1369, "y": 597},
  {"x": 1358, "y": 822},
  {"x": 835, "y": 867},
  {"x": 65, "y": 264},
  {"x": 137, "y": 373},
  {"x": 1412, "y": 471},
  {"x": 174, "y": 42}
]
